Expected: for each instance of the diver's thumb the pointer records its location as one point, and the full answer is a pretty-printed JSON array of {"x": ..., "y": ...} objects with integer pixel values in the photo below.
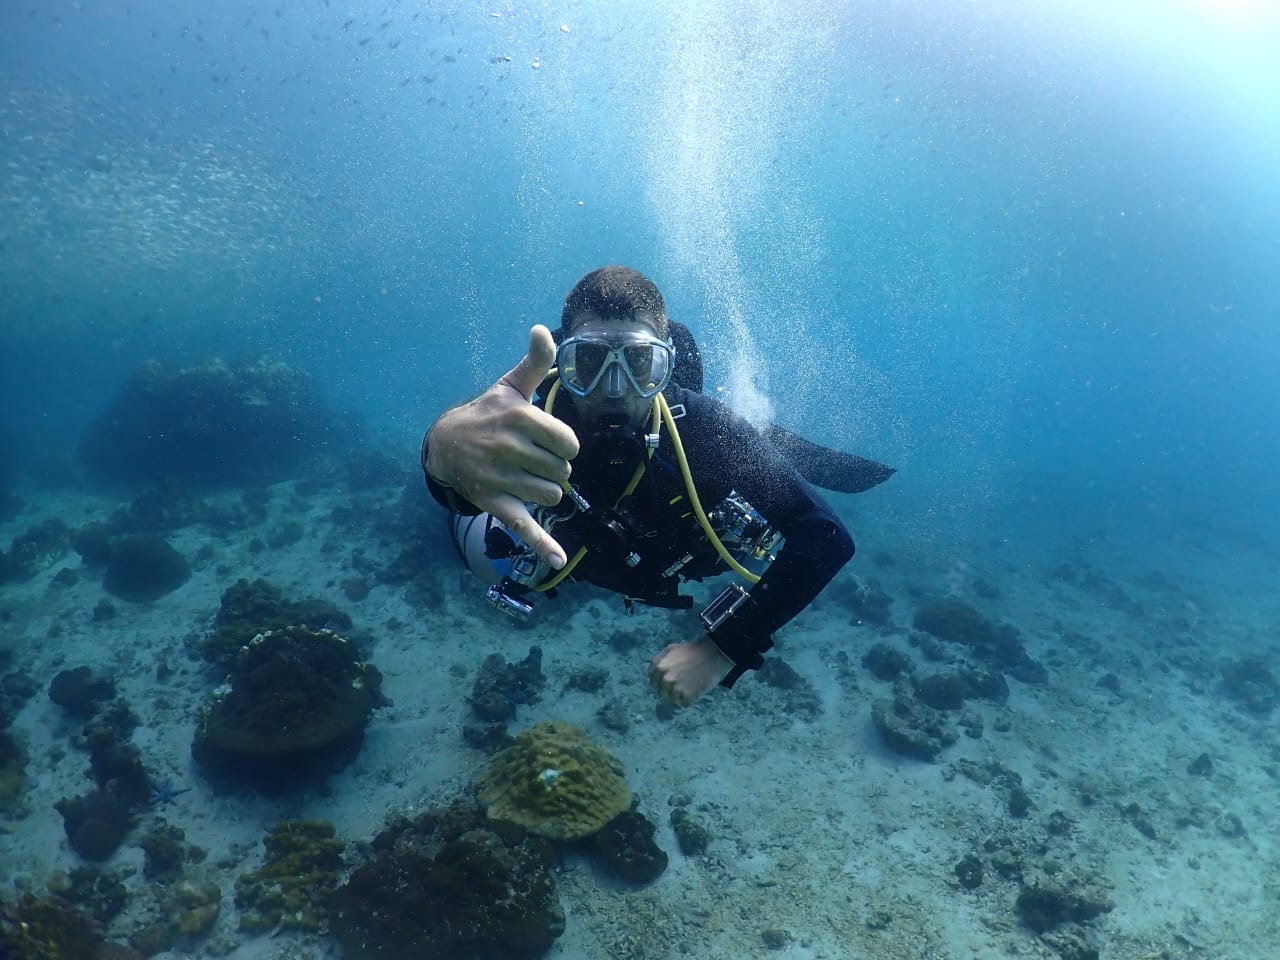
[{"x": 527, "y": 375}]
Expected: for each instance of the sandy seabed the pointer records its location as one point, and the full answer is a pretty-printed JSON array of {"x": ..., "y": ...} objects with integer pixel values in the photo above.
[{"x": 826, "y": 844}]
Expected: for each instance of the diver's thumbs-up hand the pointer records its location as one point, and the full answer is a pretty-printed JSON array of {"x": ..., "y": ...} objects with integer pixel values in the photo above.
[
  {"x": 527, "y": 375},
  {"x": 499, "y": 451}
]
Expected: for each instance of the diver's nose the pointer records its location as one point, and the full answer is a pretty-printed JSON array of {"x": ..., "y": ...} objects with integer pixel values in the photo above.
[{"x": 613, "y": 384}]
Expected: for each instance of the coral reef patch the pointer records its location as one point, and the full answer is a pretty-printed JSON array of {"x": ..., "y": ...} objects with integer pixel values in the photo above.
[
  {"x": 144, "y": 568},
  {"x": 998, "y": 645},
  {"x": 35, "y": 549},
  {"x": 499, "y": 691},
  {"x": 211, "y": 425},
  {"x": 450, "y": 885},
  {"x": 909, "y": 726},
  {"x": 46, "y": 929},
  {"x": 555, "y": 782},
  {"x": 293, "y": 709},
  {"x": 625, "y": 846},
  {"x": 292, "y": 888},
  {"x": 1251, "y": 684},
  {"x": 251, "y": 607}
]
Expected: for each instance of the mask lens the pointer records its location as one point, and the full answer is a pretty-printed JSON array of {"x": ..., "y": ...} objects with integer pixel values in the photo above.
[
  {"x": 640, "y": 362},
  {"x": 588, "y": 359}
]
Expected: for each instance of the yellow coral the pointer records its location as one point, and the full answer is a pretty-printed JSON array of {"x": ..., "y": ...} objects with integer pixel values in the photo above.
[{"x": 555, "y": 782}]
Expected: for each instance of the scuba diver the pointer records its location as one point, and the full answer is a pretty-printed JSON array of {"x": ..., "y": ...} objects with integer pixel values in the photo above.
[{"x": 598, "y": 459}]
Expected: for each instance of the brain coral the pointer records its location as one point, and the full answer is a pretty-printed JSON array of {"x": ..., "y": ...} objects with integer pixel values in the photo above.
[{"x": 555, "y": 782}]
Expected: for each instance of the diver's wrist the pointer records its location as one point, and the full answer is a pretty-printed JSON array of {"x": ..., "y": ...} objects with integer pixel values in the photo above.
[
  {"x": 722, "y": 664},
  {"x": 430, "y": 457},
  {"x": 434, "y": 476}
]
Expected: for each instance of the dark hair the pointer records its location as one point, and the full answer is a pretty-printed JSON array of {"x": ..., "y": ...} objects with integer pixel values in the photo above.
[{"x": 616, "y": 293}]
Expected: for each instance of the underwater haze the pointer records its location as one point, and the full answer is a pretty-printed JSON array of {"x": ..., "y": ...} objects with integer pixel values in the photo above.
[{"x": 1025, "y": 252}]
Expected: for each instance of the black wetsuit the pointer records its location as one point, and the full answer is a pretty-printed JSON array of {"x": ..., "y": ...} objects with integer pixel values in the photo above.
[{"x": 725, "y": 454}]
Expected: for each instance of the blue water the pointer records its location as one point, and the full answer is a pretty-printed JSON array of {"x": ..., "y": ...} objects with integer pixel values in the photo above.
[
  {"x": 1028, "y": 253},
  {"x": 1024, "y": 252}
]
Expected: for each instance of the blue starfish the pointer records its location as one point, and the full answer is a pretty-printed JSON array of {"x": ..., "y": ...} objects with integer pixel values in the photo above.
[{"x": 164, "y": 792}]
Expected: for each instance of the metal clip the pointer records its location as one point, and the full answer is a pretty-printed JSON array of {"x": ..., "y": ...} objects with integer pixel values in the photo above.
[
  {"x": 572, "y": 493},
  {"x": 510, "y": 605},
  {"x": 675, "y": 568},
  {"x": 723, "y": 607}
]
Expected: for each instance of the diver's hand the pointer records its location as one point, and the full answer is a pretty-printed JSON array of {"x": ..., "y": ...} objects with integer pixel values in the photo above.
[
  {"x": 682, "y": 672},
  {"x": 499, "y": 451}
]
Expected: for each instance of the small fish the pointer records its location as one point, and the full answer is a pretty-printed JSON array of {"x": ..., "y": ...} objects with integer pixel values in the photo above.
[
  {"x": 364, "y": 41},
  {"x": 394, "y": 43},
  {"x": 348, "y": 23},
  {"x": 450, "y": 58}
]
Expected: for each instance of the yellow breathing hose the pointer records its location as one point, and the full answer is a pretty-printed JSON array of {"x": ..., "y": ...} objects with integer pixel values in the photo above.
[
  {"x": 660, "y": 410},
  {"x": 701, "y": 514}
]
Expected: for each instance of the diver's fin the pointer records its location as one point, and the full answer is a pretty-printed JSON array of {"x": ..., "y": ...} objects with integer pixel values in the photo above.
[{"x": 827, "y": 468}]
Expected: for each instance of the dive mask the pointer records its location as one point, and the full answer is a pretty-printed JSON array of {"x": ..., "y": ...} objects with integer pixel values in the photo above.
[{"x": 638, "y": 357}]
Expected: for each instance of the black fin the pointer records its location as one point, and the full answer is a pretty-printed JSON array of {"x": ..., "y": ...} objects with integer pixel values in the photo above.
[{"x": 827, "y": 468}]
